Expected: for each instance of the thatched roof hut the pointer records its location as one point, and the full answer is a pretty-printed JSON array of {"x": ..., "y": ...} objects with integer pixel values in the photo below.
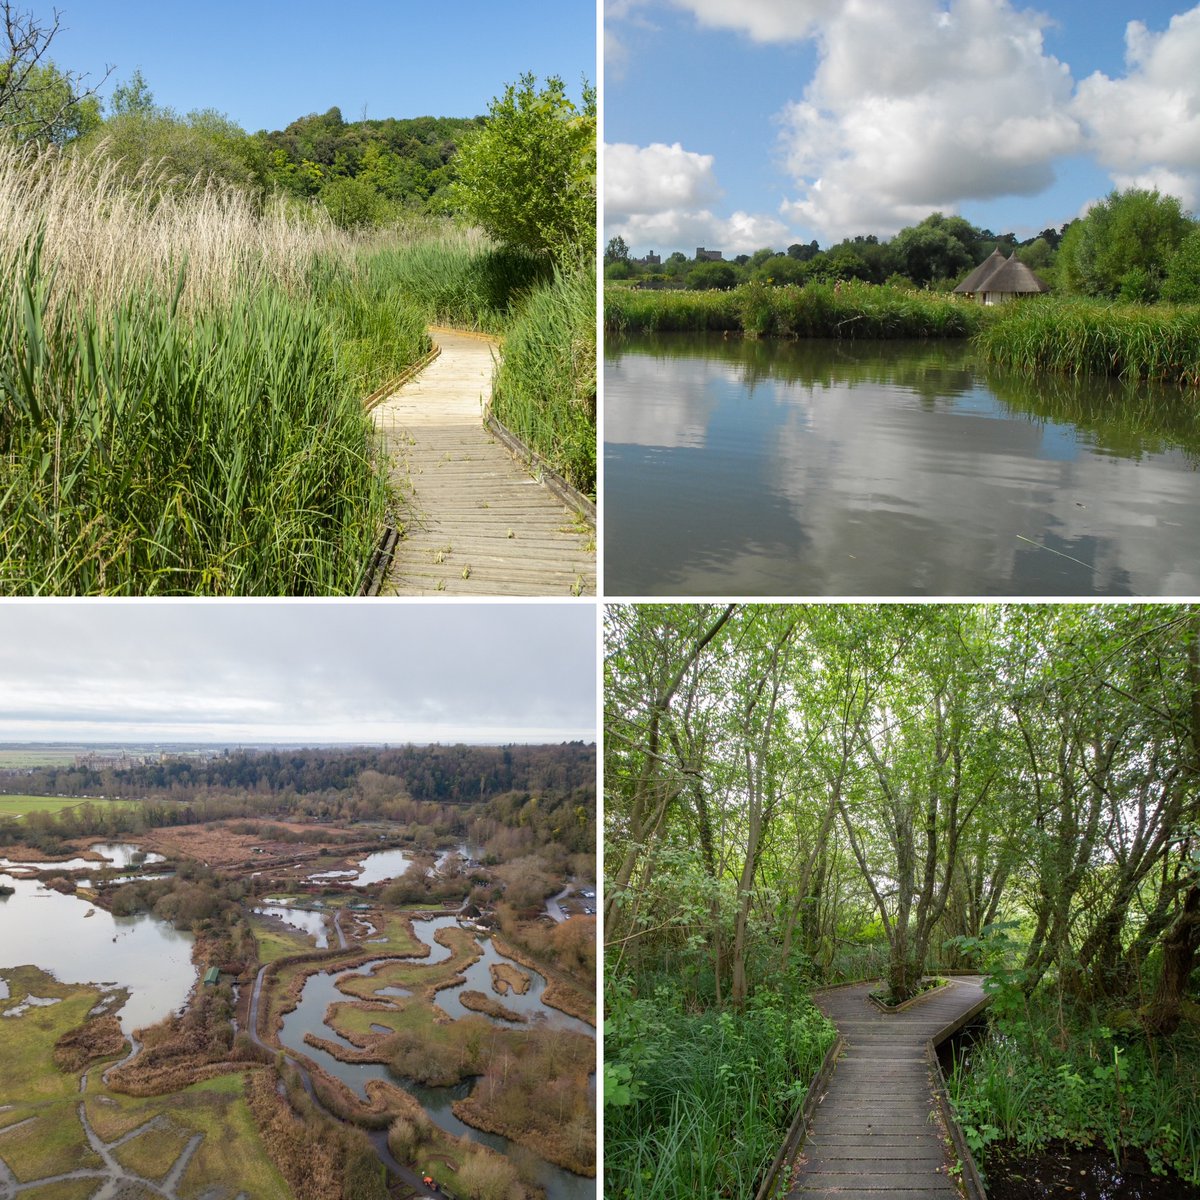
[{"x": 998, "y": 279}]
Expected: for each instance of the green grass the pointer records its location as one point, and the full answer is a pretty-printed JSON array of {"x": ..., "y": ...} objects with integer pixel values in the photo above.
[
  {"x": 278, "y": 943},
  {"x": 703, "y": 1100},
  {"x": 1078, "y": 337},
  {"x": 460, "y": 281},
  {"x": 18, "y": 806}
]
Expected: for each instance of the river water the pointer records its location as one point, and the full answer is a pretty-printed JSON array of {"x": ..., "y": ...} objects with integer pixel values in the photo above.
[
  {"x": 743, "y": 467},
  {"x": 148, "y": 956},
  {"x": 320, "y": 991}
]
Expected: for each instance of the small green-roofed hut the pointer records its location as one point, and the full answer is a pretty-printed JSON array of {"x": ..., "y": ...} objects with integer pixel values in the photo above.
[{"x": 212, "y": 976}]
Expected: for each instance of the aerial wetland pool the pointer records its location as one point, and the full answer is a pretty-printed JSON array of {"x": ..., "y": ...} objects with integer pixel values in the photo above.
[{"x": 736, "y": 466}]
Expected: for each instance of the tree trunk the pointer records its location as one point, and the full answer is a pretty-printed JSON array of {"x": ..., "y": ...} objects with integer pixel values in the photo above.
[{"x": 1180, "y": 945}]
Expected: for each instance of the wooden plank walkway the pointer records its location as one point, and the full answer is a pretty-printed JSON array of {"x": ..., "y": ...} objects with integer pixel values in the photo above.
[
  {"x": 474, "y": 522},
  {"x": 878, "y": 1130}
]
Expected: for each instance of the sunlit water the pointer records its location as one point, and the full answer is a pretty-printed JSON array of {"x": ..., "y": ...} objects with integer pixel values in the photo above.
[
  {"x": 740, "y": 467},
  {"x": 43, "y": 928}
]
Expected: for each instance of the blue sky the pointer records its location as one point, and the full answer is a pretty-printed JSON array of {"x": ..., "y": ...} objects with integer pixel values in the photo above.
[
  {"x": 264, "y": 64},
  {"x": 764, "y": 122}
]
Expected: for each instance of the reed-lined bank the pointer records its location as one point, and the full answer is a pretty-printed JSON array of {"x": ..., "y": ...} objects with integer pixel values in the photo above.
[
  {"x": 544, "y": 390},
  {"x": 1039, "y": 334},
  {"x": 181, "y": 378},
  {"x": 840, "y": 310},
  {"x": 1081, "y": 337}
]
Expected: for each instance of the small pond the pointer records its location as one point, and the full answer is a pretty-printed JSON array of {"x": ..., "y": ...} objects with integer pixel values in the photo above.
[
  {"x": 148, "y": 956},
  {"x": 312, "y": 923},
  {"x": 823, "y": 468}
]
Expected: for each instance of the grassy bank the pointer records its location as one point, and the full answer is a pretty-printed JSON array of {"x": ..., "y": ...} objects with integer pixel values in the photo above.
[
  {"x": 181, "y": 379},
  {"x": 1078, "y": 337},
  {"x": 697, "y": 1105},
  {"x": 845, "y": 310}
]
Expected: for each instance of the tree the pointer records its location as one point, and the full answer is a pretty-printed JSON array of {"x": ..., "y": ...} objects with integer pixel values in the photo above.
[
  {"x": 133, "y": 97},
  {"x": 616, "y": 251},
  {"x": 1123, "y": 245},
  {"x": 1182, "y": 284},
  {"x": 38, "y": 102},
  {"x": 712, "y": 276},
  {"x": 935, "y": 249},
  {"x": 352, "y": 204},
  {"x": 528, "y": 177}
]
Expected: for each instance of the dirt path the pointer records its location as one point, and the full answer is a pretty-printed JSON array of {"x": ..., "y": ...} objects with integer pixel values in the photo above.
[
  {"x": 475, "y": 522},
  {"x": 876, "y": 1132}
]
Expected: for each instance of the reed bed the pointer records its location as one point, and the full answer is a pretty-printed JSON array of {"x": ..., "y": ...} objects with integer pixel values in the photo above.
[
  {"x": 544, "y": 390},
  {"x": 1079, "y": 337},
  {"x": 180, "y": 389},
  {"x": 461, "y": 278},
  {"x": 843, "y": 310}
]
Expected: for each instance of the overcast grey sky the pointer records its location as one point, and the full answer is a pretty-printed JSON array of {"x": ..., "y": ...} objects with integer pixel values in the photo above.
[{"x": 288, "y": 671}]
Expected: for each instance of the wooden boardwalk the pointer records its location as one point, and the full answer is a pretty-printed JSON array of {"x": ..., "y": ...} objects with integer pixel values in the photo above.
[
  {"x": 475, "y": 523},
  {"x": 878, "y": 1130}
]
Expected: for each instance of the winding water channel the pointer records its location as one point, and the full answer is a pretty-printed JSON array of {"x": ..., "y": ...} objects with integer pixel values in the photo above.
[
  {"x": 320, "y": 991},
  {"x": 743, "y": 467}
]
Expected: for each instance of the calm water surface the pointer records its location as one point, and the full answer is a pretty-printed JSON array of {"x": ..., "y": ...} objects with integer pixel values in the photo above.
[
  {"x": 144, "y": 954},
  {"x": 739, "y": 467}
]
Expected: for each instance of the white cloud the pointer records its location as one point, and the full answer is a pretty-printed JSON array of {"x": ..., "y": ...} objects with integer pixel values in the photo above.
[
  {"x": 1145, "y": 127},
  {"x": 915, "y": 107},
  {"x": 918, "y": 105},
  {"x": 659, "y": 197},
  {"x": 656, "y": 178},
  {"x": 762, "y": 20}
]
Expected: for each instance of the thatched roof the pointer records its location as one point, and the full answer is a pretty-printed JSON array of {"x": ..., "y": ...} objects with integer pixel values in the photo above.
[
  {"x": 997, "y": 274},
  {"x": 993, "y": 262}
]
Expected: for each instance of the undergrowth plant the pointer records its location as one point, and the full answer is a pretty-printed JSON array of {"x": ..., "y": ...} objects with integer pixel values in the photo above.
[
  {"x": 699, "y": 1102},
  {"x": 1033, "y": 1081}
]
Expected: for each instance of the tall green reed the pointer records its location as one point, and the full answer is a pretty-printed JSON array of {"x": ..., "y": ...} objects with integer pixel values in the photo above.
[
  {"x": 148, "y": 451},
  {"x": 544, "y": 389}
]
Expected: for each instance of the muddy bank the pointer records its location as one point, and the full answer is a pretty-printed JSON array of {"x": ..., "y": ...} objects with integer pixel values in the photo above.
[
  {"x": 1089, "y": 1173},
  {"x": 490, "y": 1007}
]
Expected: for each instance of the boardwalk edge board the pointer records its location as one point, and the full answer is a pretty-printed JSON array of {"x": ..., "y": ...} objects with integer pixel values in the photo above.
[
  {"x": 896, "y": 1008},
  {"x": 549, "y": 477},
  {"x": 795, "y": 1134}
]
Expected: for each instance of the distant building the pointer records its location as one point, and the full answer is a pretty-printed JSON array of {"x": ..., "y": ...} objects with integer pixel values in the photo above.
[
  {"x": 703, "y": 255},
  {"x": 651, "y": 260},
  {"x": 998, "y": 279}
]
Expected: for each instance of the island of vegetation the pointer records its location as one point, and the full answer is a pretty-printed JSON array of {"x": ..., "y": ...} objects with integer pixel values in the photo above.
[
  {"x": 192, "y": 317},
  {"x": 349, "y": 890},
  {"x": 994, "y": 801}
]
